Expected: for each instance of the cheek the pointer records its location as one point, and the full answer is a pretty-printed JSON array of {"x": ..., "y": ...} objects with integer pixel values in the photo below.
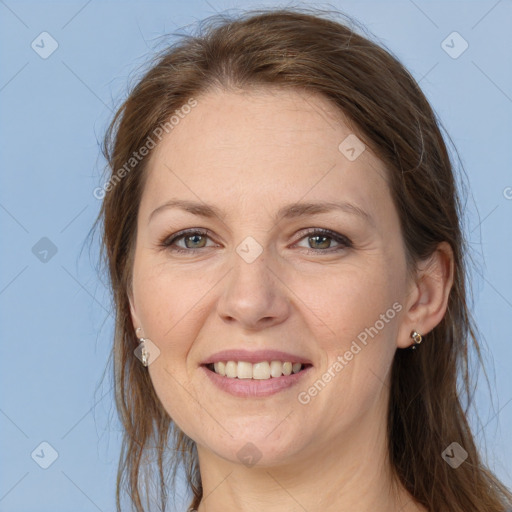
[
  {"x": 337, "y": 304},
  {"x": 168, "y": 303},
  {"x": 361, "y": 311},
  {"x": 349, "y": 302}
]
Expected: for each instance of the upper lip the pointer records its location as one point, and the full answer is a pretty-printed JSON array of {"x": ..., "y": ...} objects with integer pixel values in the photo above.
[{"x": 255, "y": 356}]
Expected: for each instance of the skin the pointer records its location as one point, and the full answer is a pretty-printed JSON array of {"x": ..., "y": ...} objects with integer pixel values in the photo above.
[{"x": 249, "y": 153}]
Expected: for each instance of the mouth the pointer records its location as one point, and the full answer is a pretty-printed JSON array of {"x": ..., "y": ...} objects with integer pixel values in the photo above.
[{"x": 255, "y": 381}]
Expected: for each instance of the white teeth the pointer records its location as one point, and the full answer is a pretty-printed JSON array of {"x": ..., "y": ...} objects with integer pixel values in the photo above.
[
  {"x": 296, "y": 367},
  {"x": 276, "y": 368},
  {"x": 220, "y": 368},
  {"x": 287, "y": 368},
  {"x": 231, "y": 369},
  {"x": 259, "y": 371},
  {"x": 244, "y": 370}
]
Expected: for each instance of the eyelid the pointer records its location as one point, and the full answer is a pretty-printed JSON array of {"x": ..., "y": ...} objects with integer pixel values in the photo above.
[
  {"x": 167, "y": 241},
  {"x": 337, "y": 237}
]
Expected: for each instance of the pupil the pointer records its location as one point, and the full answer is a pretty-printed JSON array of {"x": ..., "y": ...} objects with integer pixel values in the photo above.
[
  {"x": 322, "y": 237},
  {"x": 194, "y": 236}
]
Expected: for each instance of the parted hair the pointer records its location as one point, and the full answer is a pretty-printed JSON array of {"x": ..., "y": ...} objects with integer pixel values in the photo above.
[{"x": 307, "y": 50}]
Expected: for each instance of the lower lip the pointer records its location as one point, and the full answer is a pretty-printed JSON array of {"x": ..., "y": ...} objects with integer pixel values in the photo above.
[{"x": 253, "y": 387}]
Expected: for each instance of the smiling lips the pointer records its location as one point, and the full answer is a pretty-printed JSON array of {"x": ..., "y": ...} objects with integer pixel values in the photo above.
[
  {"x": 257, "y": 365},
  {"x": 256, "y": 373}
]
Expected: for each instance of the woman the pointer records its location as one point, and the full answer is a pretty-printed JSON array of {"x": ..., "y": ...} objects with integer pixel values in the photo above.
[{"x": 282, "y": 233}]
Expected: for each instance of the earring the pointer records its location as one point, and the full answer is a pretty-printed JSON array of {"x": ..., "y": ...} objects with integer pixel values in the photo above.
[
  {"x": 144, "y": 352},
  {"x": 417, "y": 337}
]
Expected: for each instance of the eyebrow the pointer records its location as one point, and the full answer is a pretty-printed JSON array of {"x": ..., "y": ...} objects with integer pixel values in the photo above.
[{"x": 286, "y": 212}]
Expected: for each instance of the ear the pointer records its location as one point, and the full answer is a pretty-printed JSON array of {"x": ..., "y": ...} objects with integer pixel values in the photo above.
[{"x": 428, "y": 293}]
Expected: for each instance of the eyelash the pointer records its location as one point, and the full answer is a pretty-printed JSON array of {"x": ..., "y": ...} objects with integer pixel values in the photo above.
[{"x": 167, "y": 242}]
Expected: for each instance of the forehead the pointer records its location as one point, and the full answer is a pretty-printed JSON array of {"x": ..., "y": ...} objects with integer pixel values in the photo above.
[{"x": 262, "y": 145}]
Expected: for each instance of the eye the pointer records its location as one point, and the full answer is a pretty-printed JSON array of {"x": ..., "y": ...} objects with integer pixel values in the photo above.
[
  {"x": 323, "y": 238},
  {"x": 193, "y": 238}
]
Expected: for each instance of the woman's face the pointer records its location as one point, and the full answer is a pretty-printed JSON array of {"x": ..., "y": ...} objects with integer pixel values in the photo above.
[{"x": 260, "y": 281}]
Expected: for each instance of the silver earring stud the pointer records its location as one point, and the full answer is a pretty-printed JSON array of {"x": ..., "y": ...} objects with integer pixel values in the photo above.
[{"x": 417, "y": 337}]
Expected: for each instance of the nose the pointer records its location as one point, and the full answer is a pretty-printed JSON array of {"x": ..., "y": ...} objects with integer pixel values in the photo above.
[{"x": 253, "y": 295}]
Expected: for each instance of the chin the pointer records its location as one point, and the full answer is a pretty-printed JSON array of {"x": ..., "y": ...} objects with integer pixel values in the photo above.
[{"x": 257, "y": 450}]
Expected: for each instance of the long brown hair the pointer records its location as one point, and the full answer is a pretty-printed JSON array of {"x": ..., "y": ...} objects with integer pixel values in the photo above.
[{"x": 305, "y": 49}]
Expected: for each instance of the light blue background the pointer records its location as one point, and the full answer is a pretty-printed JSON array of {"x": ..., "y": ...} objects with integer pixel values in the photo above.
[{"x": 55, "y": 324}]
